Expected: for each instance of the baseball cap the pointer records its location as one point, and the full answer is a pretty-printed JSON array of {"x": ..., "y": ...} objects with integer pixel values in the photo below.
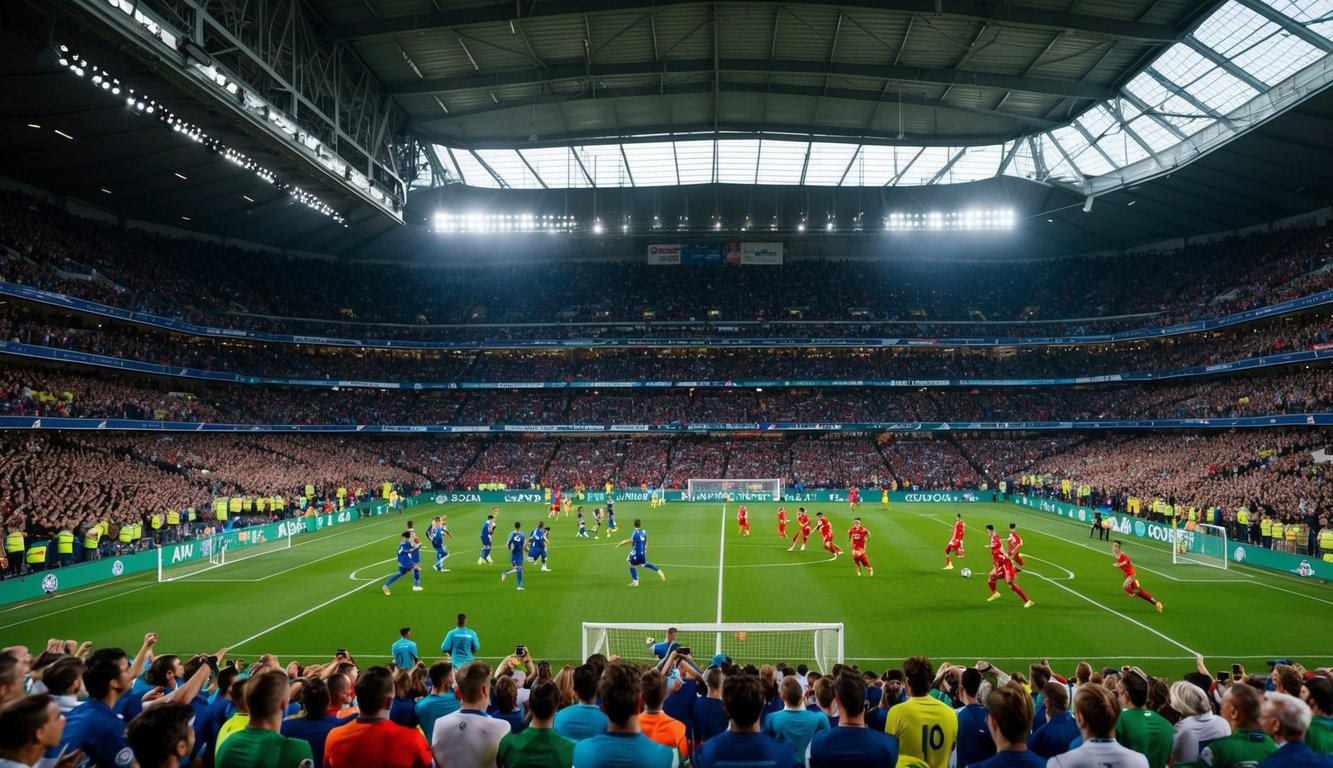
[{"x": 719, "y": 660}]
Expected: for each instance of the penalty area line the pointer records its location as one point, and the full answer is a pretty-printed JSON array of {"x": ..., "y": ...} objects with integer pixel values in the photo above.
[{"x": 302, "y": 614}]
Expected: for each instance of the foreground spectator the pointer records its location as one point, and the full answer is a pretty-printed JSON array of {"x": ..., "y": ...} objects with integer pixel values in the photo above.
[
  {"x": 441, "y": 700},
  {"x": 793, "y": 725},
  {"x": 538, "y": 745},
  {"x": 1059, "y": 731},
  {"x": 1009, "y": 718},
  {"x": 261, "y": 743},
  {"x": 584, "y": 719},
  {"x": 1318, "y": 694},
  {"x": 851, "y": 744},
  {"x": 1286, "y": 718},
  {"x": 1096, "y": 711},
  {"x": 1138, "y": 727},
  {"x": 1198, "y": 725},
  {"x": 1248, "y": 744},
  {"x": 742, "y": 743},
  {"x": 161, "y": 737},
  {"x": 313, "y": 723},
  {"x": 469, "y": 738},
  {"x": 29, "y": 727},
  {"x": 974, "y": 741},
  {"x": 373, "y": 739},
  {"x": 93, "y": 727},
  {"x": 926, "y": 728},
  {"x": 623, "y": 744}
]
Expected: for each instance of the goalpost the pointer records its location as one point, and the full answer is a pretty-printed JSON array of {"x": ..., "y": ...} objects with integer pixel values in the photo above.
[
  {"x": 191, "y": 558},
  {"x": 740, "y": 490},
  {"x": 1204, "y": 545},
  {"x": 820, "y": 645}
]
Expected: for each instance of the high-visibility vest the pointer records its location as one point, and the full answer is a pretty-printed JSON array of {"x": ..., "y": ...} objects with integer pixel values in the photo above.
[
  {"x": 279, "y": 503},
  {"x": 65, "y": 543},
  {"x": 247, "y": 504},
  {"x": 190, "y": 514},
  {"x": 92, "y": 537},
  {"x": 1243, "y": 516},
  {"x": 14, "y": 541},
  {"x": 1266, "y": 527},
  {"x": 173, "y": 517},
  {"x": 221, "y": 514},
  {"x": 37, "y": 553},
  {"x": 1326, "y": 539},
  {"x": 155, "y": 521},
  {"x": 126, "y": 534},
  {"x": 234, "y": 505}
]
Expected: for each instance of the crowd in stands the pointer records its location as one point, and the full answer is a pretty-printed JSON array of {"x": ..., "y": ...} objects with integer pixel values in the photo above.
[
  {"x": 79, "y": 703},
  {"x": 216, "y": 284}
]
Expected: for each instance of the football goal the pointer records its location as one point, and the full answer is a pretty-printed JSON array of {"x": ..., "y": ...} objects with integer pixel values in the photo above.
[
  {"x": 711, "y": 489},
  {"x": 819, "y": 645},
  {"x": 190, "y": 558},
  {"x": 1203, "y": 545}
]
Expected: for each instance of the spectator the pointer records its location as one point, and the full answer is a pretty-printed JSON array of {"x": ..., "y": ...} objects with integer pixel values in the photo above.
[
  {"x": 469, "y": 738},
  {"x": 161, "y": 737},
  {"x": 261, "y": 743},
  {"x": 1055, "y": 736},
  {"x": 1197, "y": 725},
  {"x": 926, "y": 728},
  {"x": 1318, "y": 694},
  {"x": 15, "y": 662},
  {"x": 441, "y": 700},
  {"x": 620, "y": 690},
  {"x": 538, "y": 745},
  {"x": 93, "y": 727},
  {"x": 1286, "y": 719},
  {"x": 584, "y": 719},
  {"x": 1139, "y": 728},
  {"x": 313, "y": 723},
  {"x": 851, "y": 744},
  {"x": 743, "y": 743},
  {"x": 374, "y": 739},
  {"x": 1096, "y": 711},
  {"x": 794, "y": 725},
  {"x": 653, "y": 722},
  {"x": 1009, "y": 719},
  {"x": 28, "y": 728},
  {"x": 974, "y": 741},
  {"x": 504, "y": 703},
  {"x": 1247, "y": 745}
]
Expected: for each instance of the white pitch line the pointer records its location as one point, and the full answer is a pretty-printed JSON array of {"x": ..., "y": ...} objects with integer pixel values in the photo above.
[
  {"x": 721, "y": 569},
  {"x": 51, "y": 598},
  {"x": 302, "y": 614},
  {"x": 81, "y": 606}
]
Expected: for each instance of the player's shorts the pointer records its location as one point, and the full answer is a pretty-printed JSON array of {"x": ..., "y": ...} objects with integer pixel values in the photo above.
[
  {"x": 1010, "y": 572},
  {"x": 403, "y": 570},
  {"x": 439, "y": 552},
  {"x": 536, "y": 553},
  {"x": 636, "y": 560},
  {"x": 954, "y": 544},
  {"x": 517, "y": 562}
]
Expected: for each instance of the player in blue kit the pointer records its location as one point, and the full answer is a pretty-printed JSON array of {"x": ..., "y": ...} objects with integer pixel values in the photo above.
[
  {"x": 435, "y": 535},
  {"x": 487, "y": 528},
  {"x": 638, "y": 553},
  {"x": 537, "y": 544},
  {"x": 515, "y": 545},
  {"x": 405, "y": 551},
  {"x": 583, "y": 526},
  {"x": 610, "y": 515},
  {"x": 416, "y": 552}
]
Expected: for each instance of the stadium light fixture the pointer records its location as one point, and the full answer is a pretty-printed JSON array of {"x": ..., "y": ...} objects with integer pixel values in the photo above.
[
  {"x": 965, "y": 220},
  {"x": 597, "y": 228}
]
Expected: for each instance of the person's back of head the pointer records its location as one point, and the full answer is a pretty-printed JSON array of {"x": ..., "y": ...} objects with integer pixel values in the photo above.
[
  {"x": 825, "y": 694},
  {"x": 374, "y": 689},
  {"x": 1288, "y": 679},
  {"x": 158, "y": 671},
  {"x": 441, "y": 675},
  {"x": 585, "y": 683},
  {"x": 1288, "y": 716},
  {"x": 851, "y": 692},
  {"x": 266, "y": 696},
  {"x": 1010, "y": 707},
  {"x": 101, "y": 669},
  {"x": 543, "y": 700},
  {"x": 339, "y": 686},
  {"x": 162, "y": 734},
  {"x": 1056, "y": 696},
  {"x": 919, "y": 674},
  {"x": 743, "y": 700},
  {"x": 652, "y": 682},
  {"x": 792, "y": 695},
  {"x": 474, "y": 682},
  {"x": 1083, "y": 672},
  {"x": 1187, "y": 699},
  {"x": 1097, "y": 710},
  {"x": 504, "y": 694},
  {"x": 620, "y": 689},
  {"x": 22, "y": 721},
  {"x": 315, "y": 698},
  {"x": 61, "y": 677},
  {"x": 971, "y": 681},
  {"x": 1245, "y": 703},
  {"x": 1040, "y": 675},
  {"x": 1134, "y": 685},
  {"x": 1319, "y": 695}
]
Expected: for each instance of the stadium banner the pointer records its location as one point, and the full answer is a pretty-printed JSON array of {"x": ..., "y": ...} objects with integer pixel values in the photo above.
[
  {"x": 641, "y": 494},
  {"x": 55, "y": 580},
  {"x": 694, "y": 254},
  {"x": 759, "y": 254},
  {"x": 1128, "y": 525},
  {"x": 664, "y": 254},
  {"x": 29, "y": 293}
]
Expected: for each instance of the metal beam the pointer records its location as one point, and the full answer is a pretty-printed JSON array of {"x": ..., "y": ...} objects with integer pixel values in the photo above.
[
  {"x": 986, "y": 12},
  {"x": 580, "y": 71},
  {"x": 1226, "y": 64},
  {"x": 1289, "y": 24}
]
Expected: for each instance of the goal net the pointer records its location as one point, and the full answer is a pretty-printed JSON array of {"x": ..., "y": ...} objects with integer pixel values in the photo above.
[
  {"x": 819, "y": 645},
  {"x": 1203, "y": 545},
  {"x": 189, "y": 558},
  {"x": 733, "y": 490}
]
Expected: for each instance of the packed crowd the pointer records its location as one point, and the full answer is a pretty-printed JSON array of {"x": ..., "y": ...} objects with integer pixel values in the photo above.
[
  {"x": 210, "y": 283},
  {"x": 100, "y": 705}
]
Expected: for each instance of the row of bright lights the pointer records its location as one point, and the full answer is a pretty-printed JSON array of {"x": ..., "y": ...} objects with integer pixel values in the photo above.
[
  {"x": 977, "y": 220},
  {"x": 142, "y": 104}
]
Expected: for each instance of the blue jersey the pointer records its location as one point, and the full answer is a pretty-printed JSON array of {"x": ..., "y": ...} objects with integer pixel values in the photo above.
[
  {"x": 437, "y": 537},
  {"x": 516, "y": 547},
  {"x": 538, "y": 537},
  {"x": 405, "y": 554},
  {"x": 486, "y": 533},
  {"x": 639, "y": 544}
]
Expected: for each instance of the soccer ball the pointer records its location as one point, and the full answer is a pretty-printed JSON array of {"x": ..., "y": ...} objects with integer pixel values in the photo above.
[{"x": 967, "y": 573}]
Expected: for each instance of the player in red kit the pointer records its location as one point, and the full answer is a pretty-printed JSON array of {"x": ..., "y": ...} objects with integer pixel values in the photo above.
[
  {"x": 854, "y": 497},
  {"x": 1015, "y": 543},
  {"x": 1131, "y": 585},
  {"x": 858, "y": 535},
  {"x": 1003, "y": 569},
  {"x": 802, "y": 520},
  {"x": 782, "y": 522},
  {"x": 743, "y": 520},
  {"x": 955, "y": 543},
  {"x": 826, "y": 533}
]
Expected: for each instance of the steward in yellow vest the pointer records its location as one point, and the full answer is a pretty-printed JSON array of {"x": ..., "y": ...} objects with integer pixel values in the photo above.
[{"x": 65, "y": 547}]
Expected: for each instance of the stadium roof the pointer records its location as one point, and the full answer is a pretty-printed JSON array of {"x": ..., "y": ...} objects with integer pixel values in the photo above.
[{"x": 1178, "y": 117}]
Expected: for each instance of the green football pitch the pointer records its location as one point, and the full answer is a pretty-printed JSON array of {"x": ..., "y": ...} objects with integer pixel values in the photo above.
[{"x": 324, "y": 593}]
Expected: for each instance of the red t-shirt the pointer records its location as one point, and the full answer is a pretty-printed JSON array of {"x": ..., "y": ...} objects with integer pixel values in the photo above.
[
  {"x": 858, "y": 536},
  {"x": 958, "y": 531},
  {"x": 1015, "y": 541},
  {"x": 381, "y": 743},
  {"x": 1122, "y": 562}
]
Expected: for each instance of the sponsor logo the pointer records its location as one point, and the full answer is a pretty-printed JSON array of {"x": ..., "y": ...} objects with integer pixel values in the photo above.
[
  {"x": 182, "y": 553},
  {"x": 50, "y": 583},
  {"x": 1239, "y": 555},
  {"x": 117, "y": 568},
  {"x": 1140, "y": 528},
  {"x": 522, "y": 498},
  {"x": 1304, "y": 569}
]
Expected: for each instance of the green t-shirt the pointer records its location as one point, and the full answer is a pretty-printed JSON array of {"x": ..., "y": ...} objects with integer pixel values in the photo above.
[
  {"x": 1320, "y": 735},
  {"x": 1242, "y": 748},
  {"x": 1147, "y": 733},
  {"x": 536, "y": 748},
  {"x": 262, "y": 748}
]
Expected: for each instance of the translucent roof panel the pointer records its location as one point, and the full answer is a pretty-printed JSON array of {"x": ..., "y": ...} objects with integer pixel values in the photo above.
[
  {"x": 781, "y": 162},
  {"x": 1316, "y": 15},
  {"x": 1023, "y": 164},
  {"x": 977, "y": 163},
  {"x": 874, "y": 166},
  {"x": 652, "y": 164},
  {"x": 604, "y": 164},
  {"x": 1052, "y": 156},
  {"x": 1156, "y": 135},
  {"x": 1221, "y": 90},
  {"x": 927, "y": 164},
  {"x": 447, "y": 161},
  {"x": 828, "y": 162},
  {"x": 1084, "y": 155},
  {"x": 695, "y": 160},
  {"x": 511, "y": 168},
  {"x": 737, "y": 161},
  {"x": 556, "y": 167},
  {"x": 474, "y": 174}
]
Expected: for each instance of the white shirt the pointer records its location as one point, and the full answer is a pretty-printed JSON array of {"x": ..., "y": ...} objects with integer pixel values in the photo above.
[
  {"x": 467, "y": 739},
  {"x": 1192, "y": 731},
  {"x": 1099, "y": 753}
]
